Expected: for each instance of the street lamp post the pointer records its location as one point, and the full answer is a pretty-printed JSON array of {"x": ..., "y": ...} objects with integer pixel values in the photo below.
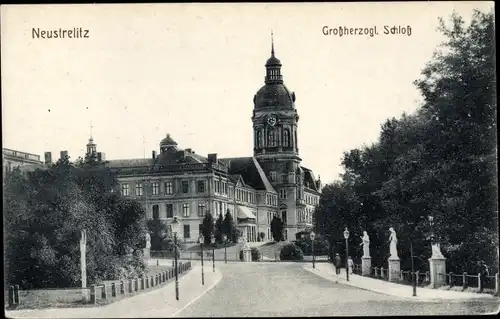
[
  {"x": 413, "y": 282},
  {"x": 202, "y": 239},
  {"x": 225, "y": 249},
  {"x": 213, "y": 252},
  {"x": 346, "y": 236},
  {"x": 312, "y": 235},
  {"x": 175, "y": 226}
]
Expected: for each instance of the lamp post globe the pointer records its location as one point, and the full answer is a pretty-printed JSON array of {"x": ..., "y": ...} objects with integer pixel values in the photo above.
[{"x": 346, "y": 236}]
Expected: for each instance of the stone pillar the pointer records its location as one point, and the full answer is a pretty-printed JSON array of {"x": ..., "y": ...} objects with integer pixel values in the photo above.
[
  {"x": 247, "y": 253},
  {"x": 437, "y": 267},
  {"x": 366, "y": 265},
  {"x": 104, "y": 294},
  {"x": 113, "y": 290},
  {"x": 394, "y": 268},
  {"x": 147, "y": 253}
]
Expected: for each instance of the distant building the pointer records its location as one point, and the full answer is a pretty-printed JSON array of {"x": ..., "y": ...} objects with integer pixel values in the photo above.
[{"x": 12, "y": 159}]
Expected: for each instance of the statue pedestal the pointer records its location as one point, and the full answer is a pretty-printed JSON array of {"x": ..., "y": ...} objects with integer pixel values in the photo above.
[
  {"x": 366, "y": 265},
  {"x": 247, "y": 253},
  {"x": 146, "y": 253},
  {"x": 394, "y": 269},
  {"x": 437, "y": 267}
]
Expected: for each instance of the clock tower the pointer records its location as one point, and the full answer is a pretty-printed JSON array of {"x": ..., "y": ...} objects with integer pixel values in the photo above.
[{"x": 275, "y": 139}]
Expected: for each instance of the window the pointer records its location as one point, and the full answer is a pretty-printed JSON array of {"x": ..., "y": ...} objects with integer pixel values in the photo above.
[
  {"x": 259, "y": 139},
  {"x": 187, "y": 231},
  {"x": 286, "y": 138},
  {"x": 273, "y": 176},
  {"x": 125, "y": 189},
  {"x": 138, "y": 189},
  {"x": 185, "y": 210},
  {"x": 155, "y": 188},
  {"x": 200, "y": 186},
  {"x": 185, "y": 187},
  {"x": 168, "y": 188},
  {"x": 271, "y": 141},
  {"x": 156, "y": 212},
  {"x": 201, "y": 209},
  {"x": 170, "y": 211},
  {"x": 283, "y": 193},
  {"x": 283, "y": 216}
]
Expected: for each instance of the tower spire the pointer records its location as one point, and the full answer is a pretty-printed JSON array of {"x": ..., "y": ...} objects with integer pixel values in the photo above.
[{"x": 272, "y": 43}]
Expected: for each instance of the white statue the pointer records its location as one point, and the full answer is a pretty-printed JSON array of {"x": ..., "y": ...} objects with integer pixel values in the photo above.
[
  {"x": 366, "y": 244},
  {"x": 393, "y": 242},
  {"x": 436, "y": 251},
  {"x": 148, "y": 241}
]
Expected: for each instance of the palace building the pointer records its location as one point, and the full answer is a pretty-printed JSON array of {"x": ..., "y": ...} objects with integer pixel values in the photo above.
[{"x": 179, "y": 186}]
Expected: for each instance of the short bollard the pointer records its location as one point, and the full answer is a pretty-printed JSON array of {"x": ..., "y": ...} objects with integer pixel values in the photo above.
[
  {"x": 122, "y": 287},
  {"x": 104, "y": 294},
  {"x": 92, "y": 295},
  {"x": 16, "y": 294},
  {"x": 113, "y": 290},
  {"x": 11, "y": 296},
  {"x": 142, "y": 283}
]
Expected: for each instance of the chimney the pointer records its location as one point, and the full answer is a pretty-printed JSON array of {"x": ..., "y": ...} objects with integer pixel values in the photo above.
[
  {"x": 212, "y": 158},
  {"x": 101, "y": 157},
  {"x": 189, "y": 150},
  {"x": 154, "y": 154},
  {"x": 48, "y": 158},
  {"x": 64, "y": 154}
]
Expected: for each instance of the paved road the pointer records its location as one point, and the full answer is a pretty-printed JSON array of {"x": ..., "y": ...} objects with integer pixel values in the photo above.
[{"x": 286, "y": 289}]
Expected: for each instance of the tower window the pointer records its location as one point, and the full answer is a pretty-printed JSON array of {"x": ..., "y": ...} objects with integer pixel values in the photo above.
[
  {"x": 286, "y": 138},
  {"x": 271, "y": 138},
  {"x": 283, "y": 193},
  {"x": 259, "y": 139}
]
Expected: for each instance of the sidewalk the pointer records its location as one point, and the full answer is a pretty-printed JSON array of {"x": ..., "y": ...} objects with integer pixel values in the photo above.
[
  {"x": 327, "y": 271},
  {"x": 159, "y": 303}
]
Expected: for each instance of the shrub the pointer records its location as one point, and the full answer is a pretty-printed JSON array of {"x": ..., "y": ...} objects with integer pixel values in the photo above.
[
  {"x": 321, "y": 247},
  {"x": 256, "y": 255},
  {"x": 291, "y": 252}
]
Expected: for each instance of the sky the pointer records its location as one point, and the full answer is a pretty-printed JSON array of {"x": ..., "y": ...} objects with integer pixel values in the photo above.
[{"x": 192, "y": 70}]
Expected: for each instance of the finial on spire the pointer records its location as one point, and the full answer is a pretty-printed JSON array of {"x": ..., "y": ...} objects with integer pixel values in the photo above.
[{"x": 272, "y": 43}]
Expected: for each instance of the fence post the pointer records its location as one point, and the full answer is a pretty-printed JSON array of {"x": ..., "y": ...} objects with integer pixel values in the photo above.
[
  {"x": 122, "y": 287},
  {"x": 479, "y": 281},
  {"x": 104, "y": 294},
  {"x": 416, "y": 277},
  {"x": 92, "y": 294},
  {"x": 16, "y": 294},
  {"x": 11, "y": 296},
  {"x": 451, "y": 279},
  {"x": 113, "y": 289},
  {"x": 464, "y": 281},
  {"x": 496, "y": 283}
]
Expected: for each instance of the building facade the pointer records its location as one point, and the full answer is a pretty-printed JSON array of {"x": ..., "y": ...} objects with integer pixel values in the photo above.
[
  {"x": 12, "y": 159},
  {"x": 178, "y": 185}
]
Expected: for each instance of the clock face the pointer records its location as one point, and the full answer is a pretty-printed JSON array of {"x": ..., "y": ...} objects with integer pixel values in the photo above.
[{"x": 271, "y": 121}]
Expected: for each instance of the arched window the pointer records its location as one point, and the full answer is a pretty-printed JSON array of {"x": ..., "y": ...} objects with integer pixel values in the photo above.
[
  {"x": 271, "y": 138},
  {"x": 286, "y": 137},
  {"x": 259, "y": 139}
]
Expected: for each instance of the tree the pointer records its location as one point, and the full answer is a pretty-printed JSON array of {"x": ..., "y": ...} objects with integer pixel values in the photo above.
[
  {"x": 229, "y": 228},
  {"x": 44, "y": 213},
  {"x": 277, "y": 228},
  {"x": 207, "y": 229},
  {"x": 219, "y": 229},
  {"x": 158, "y": 231}
]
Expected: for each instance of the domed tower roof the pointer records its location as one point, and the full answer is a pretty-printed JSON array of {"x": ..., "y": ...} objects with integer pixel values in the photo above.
[
  {"x": 274, "y": 93},
  {"x": 167, "y": 142}
]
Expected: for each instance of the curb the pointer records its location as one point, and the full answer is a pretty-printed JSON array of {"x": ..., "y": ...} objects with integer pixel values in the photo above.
[{"x": 417, "y": 298}]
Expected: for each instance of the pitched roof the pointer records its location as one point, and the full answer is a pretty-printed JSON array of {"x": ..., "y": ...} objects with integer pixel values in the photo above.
[
  {"x": 309, "y": 179},
  {"x": 250, "y": 171},
  {"x": 134, "y": 162}
]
